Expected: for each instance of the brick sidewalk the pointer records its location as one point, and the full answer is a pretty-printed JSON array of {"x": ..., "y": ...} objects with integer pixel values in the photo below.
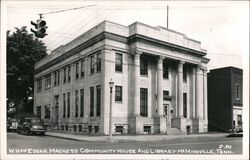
[{"x": 129, "y": 138}]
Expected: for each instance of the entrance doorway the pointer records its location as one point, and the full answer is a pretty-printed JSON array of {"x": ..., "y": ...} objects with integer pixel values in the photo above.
[{"x": 167, "y": 114}]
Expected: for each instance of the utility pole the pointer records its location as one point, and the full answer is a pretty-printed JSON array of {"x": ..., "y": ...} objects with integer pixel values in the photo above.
[{"x": 167, "y": 16}]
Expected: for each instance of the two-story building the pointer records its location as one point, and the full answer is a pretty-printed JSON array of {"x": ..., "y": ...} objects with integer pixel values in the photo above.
[
  {"x": 225, "y": 97},
  {"x": 160, "y": 81}
]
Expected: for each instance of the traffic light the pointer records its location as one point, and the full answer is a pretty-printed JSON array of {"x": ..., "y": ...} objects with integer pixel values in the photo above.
[{"x": 40, "y": 28}]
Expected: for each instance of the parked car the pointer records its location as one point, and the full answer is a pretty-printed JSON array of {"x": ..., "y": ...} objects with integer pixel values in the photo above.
[
  {"x": 31, "y": 125},
  {"x": 12, "y": 124},
  {"x": 235, "y": 132},
  {"x": 8, "y": 125}
]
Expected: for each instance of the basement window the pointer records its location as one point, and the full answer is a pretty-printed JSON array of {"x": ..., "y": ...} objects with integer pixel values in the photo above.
[
  {"x": 119, "y": 129},
  {"x": 147, "y": 129}
]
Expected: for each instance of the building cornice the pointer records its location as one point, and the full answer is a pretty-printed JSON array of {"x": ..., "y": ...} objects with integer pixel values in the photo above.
[
  {"x": 90, "y": 42},
  {"x": 107, "y": 35},
  {"x": 136, "y": 37}
]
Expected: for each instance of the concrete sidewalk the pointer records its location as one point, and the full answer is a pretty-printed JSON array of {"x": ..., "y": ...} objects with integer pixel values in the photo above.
[{"x": 131, "y": 138}]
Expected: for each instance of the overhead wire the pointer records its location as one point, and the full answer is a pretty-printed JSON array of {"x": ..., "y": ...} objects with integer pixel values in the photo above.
[
  {"x": 76, "y": 8},
  {"x": 83, "y": 27},
  {"x": 66, "y": 25},
  {"x": 71, "y": 26}
]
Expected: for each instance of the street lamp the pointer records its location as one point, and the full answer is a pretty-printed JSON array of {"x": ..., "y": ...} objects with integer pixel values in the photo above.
[{"x": 111, "y": 85}]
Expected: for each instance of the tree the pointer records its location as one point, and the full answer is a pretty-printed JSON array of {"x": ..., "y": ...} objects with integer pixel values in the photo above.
[{"x": 23, "y": 51}]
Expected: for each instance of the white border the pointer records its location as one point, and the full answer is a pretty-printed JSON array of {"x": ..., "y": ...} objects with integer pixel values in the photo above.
[{"x": 115, "y": 156}]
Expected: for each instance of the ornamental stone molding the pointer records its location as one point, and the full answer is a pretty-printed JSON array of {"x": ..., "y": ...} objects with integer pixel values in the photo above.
[{"x": 135, "y": 52}]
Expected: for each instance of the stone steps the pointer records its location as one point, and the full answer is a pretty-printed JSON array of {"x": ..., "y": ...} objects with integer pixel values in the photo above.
[{"x": 173, "y": 131}]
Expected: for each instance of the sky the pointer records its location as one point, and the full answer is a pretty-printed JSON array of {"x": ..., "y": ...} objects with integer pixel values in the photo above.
[{"x": 221, "y": 27}]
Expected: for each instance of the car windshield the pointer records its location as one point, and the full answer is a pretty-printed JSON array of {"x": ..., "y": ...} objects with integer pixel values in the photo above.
[{"x": 35, "y": 121}]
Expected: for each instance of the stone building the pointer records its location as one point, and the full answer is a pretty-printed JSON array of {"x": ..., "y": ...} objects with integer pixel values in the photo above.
[
  {"x": 225, "y": 97},
  {"x": 160, "y": 82}
]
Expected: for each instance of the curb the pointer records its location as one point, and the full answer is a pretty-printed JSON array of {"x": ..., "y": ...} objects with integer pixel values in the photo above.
[
  {"x": 132, "y": 140},
  {"x": 74, "y": 139}
]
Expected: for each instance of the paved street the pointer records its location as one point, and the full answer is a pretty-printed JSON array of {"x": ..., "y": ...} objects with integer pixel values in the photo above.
[{"x": 46, "y": 144}]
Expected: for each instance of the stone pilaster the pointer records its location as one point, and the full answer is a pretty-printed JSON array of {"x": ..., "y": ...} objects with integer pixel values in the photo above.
[
  {"x": 180, "y": 121},
  {"x": 137, "y": 54},
  {"x": 159, "y": 86},
  {"x": 106, "y": 74},
  {"x": 205, "y": 94},
  {"x": 194, "y": 95},
  {"x": 199, "y": 93},
  {"x": 135, "y": 119},
  {"x": 205, "y": 101},
  {"x": 180, "y": 89}
]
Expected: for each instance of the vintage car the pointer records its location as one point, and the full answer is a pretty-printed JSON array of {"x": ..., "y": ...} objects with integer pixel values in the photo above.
[
  {"x": 12, "y": 124},
  {"x": 31, "y": 125},
  {"x": 235, "y": 132}
]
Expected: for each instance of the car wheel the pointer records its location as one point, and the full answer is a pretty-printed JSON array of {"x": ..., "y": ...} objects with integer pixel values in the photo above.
[
  {"x": 42, "y": 134},
  {"x": 26, "y": 131},
  {"x": 18, "y": 131}
]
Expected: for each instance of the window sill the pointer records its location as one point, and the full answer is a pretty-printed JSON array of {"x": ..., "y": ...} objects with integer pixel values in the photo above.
[
  {"x": 119, "y": 102},
  {"x": 120, "y": 72},
  {"x": 145, "y": 76}
]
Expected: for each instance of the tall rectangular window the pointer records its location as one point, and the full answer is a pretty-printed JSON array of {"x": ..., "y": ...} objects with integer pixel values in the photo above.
[
  {"x": 38, "y": 111},
  {"x": 165, "y": 95},
  {"x": 64, "y": 75},
  {"x": 185, "y": 105},
  {"x": 237, "y": 90},
  {"x": 82, "y": 68},
  {"x": 143, "y": 67},
  {"x": 144, "y": 102},
  {"x": 68, "y": 103},
  {"x": 64, "y": 105},
  {"x": 98, "y": 62},
  {"x": 92, "y": 96},
  {"x": 47, "y": 111},
  {"x": 69, "y": 73},
  {"x": 92, "y": 65},
  {"x": 118, "y": 62},
  {"x": 81, "y": 102},
  {"x": 98, "y": 100},
  {"x": 56, "y": 78},
  {"x": 39, "y": 85},
  {"x": 48, "y": 81},
  {"x": 77, "y": 70},
  {"x": 165, "y": 69},
  {"x": 239, "y": 118},
  {"x": 118, "y": 93},
  {"x": 76, "y": 102},
  {"x": 184, "y": 74}
]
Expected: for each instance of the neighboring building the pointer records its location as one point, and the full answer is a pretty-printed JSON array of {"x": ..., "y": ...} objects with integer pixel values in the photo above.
[
  {"x": 159, "y": 75},
  {"x": 224, "y": 98}
]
